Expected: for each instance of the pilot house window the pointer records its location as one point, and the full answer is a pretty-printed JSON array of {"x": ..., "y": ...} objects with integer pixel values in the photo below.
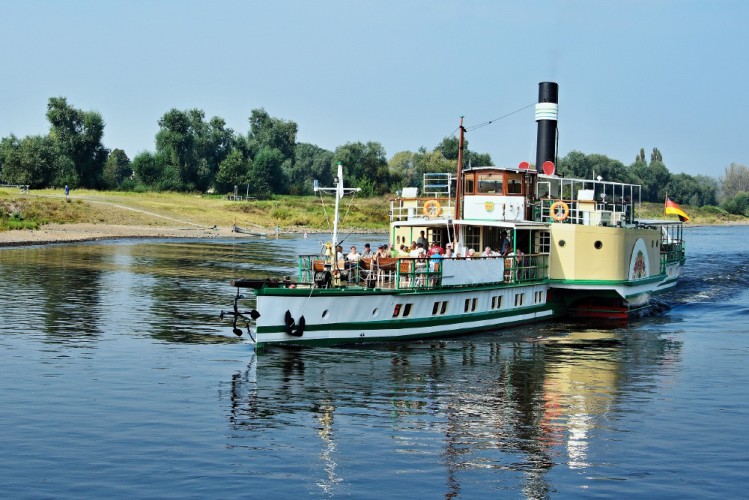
[{"x": 490, "y": 183}]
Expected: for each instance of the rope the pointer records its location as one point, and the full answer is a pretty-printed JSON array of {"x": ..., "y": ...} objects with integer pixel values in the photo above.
[{"x": 485, "y": 124}]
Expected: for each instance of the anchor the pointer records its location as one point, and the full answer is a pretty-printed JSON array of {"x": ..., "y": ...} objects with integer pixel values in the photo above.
[{"x": 236, "y": 313}]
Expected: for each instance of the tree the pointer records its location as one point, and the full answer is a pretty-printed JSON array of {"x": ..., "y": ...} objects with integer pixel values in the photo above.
[
  {"x": 192, "y": 147},
  {"x": 77, "y": 135},
  {"x": 274, "y": 133},
  {"x": 310, "y": 163},
  {"x": 698, "y": 191},
  {"x": 116, "y": 169},
  {"x": 449, "y": 148},
  {"x": 708, "y": 190},
  {"x": 737, "y": 205},
  {"x": 401, "y": 169},
  {"x": 265, "y": 173},
  {"x": 577, "y": 164},
  {"x": 149, "y": 168},
  {"x": 365, "y": 166},
  {"x": 653, "y": 177},
  {"x": 233, "y": 171},
  {"x": 735, "y": 180},
  {"x": 31, "y": 160}
]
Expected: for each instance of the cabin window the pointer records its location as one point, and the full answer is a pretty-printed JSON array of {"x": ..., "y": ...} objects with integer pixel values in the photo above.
[
  {"x": 497, "y": 302},
  {"x": 397, "y": 310},
  {"x": 598, "y": 245},
  {"x": 473, "y": 238},
  {"x": 439, "y": 308},
  {"x": 519, "y": 299},
  {"x": 490, "y": 183},
  {"x": 514, "y": 184},
  {"x": 407, "y": 310},
  {"x": 544, "y": 241},
  {"x": 435, "y": 308},
  {"x": 538, "y": 297},
  {"x": 444, "y": 308},
  {"x": 468, "y": 185},
  {"x": 470, "y": 305}
]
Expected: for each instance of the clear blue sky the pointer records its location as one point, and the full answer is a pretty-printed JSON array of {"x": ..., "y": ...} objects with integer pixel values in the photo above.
[{"x": 672, "y": 74}]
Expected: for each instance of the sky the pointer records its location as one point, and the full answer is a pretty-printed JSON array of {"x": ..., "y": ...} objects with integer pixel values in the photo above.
[{"x": 671, "y": 74}]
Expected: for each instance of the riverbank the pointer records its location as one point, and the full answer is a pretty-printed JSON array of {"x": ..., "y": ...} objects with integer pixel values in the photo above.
[
  {"x": 95, "y": 215},
  {"x": 69, "y": 233}
]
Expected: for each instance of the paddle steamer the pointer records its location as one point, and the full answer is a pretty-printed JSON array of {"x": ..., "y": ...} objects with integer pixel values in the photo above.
[{"x": 576, "y": 248}]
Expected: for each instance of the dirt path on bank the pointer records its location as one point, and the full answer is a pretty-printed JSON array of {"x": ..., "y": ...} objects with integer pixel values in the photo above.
[{"x": 167, "y": 227}]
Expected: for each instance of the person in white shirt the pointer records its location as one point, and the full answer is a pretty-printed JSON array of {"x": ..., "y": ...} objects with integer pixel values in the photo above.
[{"x": 352, "y": 263}]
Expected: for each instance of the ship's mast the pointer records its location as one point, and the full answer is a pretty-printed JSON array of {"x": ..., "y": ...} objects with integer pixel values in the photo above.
[
  {"x": 459, "y": 185},
  {"x": 340, "y": 192}
]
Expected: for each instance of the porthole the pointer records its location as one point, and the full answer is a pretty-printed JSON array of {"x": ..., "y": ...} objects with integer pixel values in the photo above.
[
  {"x": 562, "y": 243},
  {"x": 325, "y": 314},
  {"x": 598, "y": 245}
]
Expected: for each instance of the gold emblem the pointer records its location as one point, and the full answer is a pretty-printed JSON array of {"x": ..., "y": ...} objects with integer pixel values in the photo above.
[{"x": 489, "y": 206}]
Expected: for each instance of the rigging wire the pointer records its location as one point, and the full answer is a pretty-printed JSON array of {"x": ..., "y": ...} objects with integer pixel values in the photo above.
[{"x": 487, "y": 123}]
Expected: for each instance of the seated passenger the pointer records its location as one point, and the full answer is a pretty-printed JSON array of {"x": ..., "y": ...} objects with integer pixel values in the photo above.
[{"x": 352, "y": 261}]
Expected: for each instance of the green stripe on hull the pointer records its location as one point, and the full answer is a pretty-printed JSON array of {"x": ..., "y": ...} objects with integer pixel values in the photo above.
[
  {"x": 360, "y": 291},
  {"x": 434, "y": 334}
]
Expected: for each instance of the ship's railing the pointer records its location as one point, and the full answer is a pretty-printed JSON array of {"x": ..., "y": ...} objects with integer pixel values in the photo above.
[
  {"x": 585, "y": 213},
  {"x": 456, "y": 272},
  {"x": 407, "y": 273},
  {"x": 307, "y": 265},
  {"x": 425, "y": 208}
]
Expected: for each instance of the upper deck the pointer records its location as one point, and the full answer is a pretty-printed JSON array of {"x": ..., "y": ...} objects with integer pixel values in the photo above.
[{"x": 517, "y": 195}]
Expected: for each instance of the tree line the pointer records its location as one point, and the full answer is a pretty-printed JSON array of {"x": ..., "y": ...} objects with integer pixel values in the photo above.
[{"x": 193, "y": 153}]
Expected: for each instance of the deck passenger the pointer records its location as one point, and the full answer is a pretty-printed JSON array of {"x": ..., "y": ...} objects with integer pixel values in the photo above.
[
  {"x": 367, "y": 254},
  {"x": 423, "y": 240},
  {"x": 352, "y": 264},
  {"x": 488, "y": 252},
  {"x": 505, "y": 247}
]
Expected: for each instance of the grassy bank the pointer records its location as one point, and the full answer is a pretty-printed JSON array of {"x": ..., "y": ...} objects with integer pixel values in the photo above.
[{"x": 290, "y": 213}]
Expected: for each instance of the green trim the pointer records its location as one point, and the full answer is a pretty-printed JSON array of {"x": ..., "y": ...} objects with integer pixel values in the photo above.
[
  {"x": 652, "y": 279},
  {"x": 361, "y": 291},
  {"x": 404, "y": 323},
  {"x": 452, "y": 332}
]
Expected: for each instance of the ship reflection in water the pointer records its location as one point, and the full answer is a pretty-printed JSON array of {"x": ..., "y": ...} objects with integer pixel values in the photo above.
[{"x": 520, "y": 406}]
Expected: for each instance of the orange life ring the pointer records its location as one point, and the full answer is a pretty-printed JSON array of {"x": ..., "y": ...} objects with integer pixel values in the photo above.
[
  {"x": 432, "y": 208},
  {"x": 565, "y": 211}
]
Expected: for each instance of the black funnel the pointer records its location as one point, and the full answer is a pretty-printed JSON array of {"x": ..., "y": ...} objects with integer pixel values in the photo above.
[{"x": 546, "y": 116}]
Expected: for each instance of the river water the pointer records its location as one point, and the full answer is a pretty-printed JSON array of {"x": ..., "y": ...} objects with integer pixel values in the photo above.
[{"x": 119, "y": 379}]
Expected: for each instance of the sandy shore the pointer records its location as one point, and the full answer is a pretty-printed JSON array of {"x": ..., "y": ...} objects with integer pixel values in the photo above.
[{"x": 65, "y": 233}]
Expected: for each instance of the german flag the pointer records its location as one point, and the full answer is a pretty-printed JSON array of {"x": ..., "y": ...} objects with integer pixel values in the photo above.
[{"x": 674, "y": 209}]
